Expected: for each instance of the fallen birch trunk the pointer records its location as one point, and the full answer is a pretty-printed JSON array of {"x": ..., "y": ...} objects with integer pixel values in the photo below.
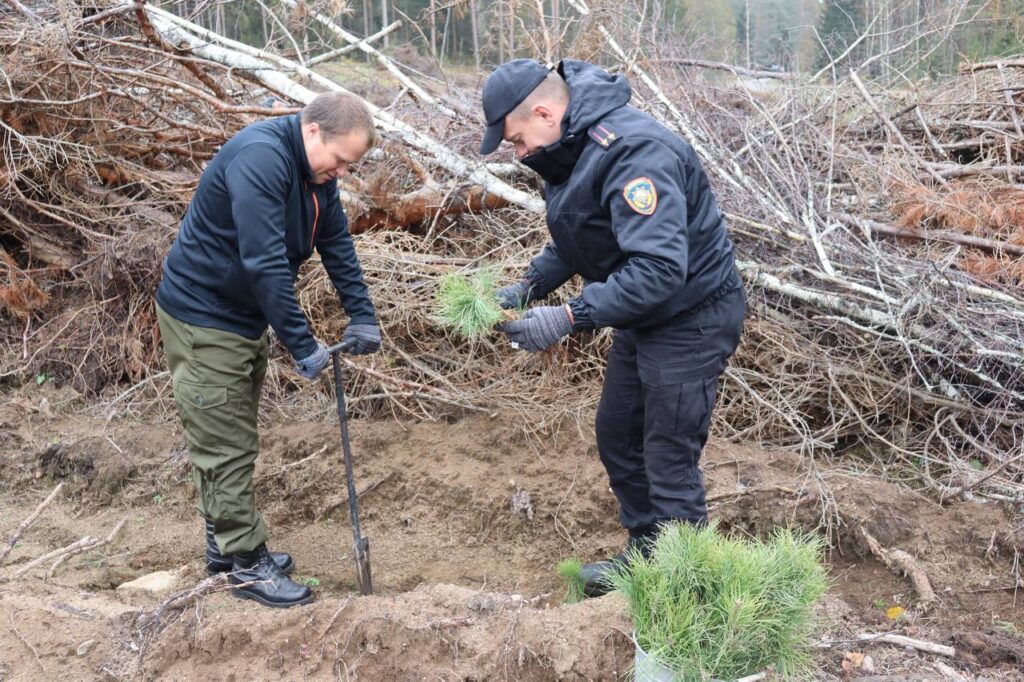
[{"x": 270, "y": 68}]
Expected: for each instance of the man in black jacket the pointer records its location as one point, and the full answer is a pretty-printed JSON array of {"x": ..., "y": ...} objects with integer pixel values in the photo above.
[
  {"x": 629, "y": 208},
  {"x": 264, "y": 202}
]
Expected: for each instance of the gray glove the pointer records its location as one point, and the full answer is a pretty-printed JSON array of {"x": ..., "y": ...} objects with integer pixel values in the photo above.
[
  {"x": 515, "y": 296},
  {"x": 366, "y": 337},
  {"x": 539, "y": 328},
  {"x": 311, "y": 366}
]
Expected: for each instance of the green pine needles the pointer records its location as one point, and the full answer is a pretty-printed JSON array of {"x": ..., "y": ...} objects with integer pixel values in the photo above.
[
  {"x": 569, "y": 570},
  {"x": 710, "y": 607},
  {"x": 468, "y": 305}
]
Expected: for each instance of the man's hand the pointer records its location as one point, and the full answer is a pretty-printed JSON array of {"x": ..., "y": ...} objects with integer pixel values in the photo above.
[
  {"x": 539, "y": 328},
  {"x": 366, "y": 337},
  {"x": 311, "y": 366},
  {"x": 514, "y": 296}
]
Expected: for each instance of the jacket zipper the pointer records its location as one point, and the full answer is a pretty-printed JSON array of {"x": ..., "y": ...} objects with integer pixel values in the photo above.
[{"x": 316, "y": 216}]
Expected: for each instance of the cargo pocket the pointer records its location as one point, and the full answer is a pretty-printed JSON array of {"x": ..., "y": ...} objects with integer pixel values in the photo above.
[
  {"x": 205, "y": 413},
  {"x": 696, "y": 401},
  {"x": 683, "y": 395}
]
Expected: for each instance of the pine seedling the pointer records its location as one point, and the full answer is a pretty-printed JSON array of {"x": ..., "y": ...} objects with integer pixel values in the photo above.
[
  {"x": 468, "y": 305},
  {"x": 708, "y": 606},
  {"x": 569, "y": 570}
]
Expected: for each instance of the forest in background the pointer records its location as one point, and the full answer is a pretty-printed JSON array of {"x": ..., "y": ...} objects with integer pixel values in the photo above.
[{"x": 771, "y": 35}]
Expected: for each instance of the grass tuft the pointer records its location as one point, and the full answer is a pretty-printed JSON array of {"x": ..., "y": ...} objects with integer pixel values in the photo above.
[
  {"x": 708, "y": 606},
  {"x": 468, "y": 305},
  {"x": 569, "y": 570}
]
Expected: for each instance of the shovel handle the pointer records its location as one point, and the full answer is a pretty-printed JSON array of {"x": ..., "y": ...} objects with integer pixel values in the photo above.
[
  {"x": 361, "y": 545},
  {"x": 343, "y": 347}
]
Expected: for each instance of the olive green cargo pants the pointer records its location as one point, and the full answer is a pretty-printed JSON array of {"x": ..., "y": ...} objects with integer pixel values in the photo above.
[{"x": 217, "y": 378}]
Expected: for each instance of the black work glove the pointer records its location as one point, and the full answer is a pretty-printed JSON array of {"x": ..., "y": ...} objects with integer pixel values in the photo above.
[
  {"x": 514, "y": 296},
  {"x": 366, "y": 337},
  {"x": 539, "y": 329},
  {"x": 310, "y": 366}
]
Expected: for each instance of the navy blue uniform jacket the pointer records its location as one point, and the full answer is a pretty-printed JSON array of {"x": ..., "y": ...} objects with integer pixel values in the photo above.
[
  {"x": 629, "y": 208},
  {"x": 255, "y": 217}
]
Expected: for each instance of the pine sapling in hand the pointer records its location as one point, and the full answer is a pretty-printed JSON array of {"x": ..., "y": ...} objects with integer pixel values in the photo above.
[{"x": 469, "y": 305}]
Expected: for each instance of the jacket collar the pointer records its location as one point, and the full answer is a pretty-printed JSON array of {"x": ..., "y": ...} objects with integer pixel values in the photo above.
[
  {"x": 294, "y": 124},
  {"x": 556, "y": 161}
]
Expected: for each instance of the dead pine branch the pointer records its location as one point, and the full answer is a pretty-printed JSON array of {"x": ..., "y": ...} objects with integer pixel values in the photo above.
[
  {"x": 892, "y": 127},
  {"x": 898, "y": 560},
  {"x": 29, "y": 520},
  {"x": 989, "y": 245},
  {"x": 105, "y": 541},
  {"x": 58, "y": 555},
  {"x": 428, "y": 203},
  {"x": 152, "y": 621},
  {"x": 900, "y": 640}
]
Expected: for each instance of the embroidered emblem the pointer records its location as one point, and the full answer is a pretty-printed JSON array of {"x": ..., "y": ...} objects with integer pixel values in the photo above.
[
  {"x": 602, "y": 135},
  {"x": 641, "y": 195}
]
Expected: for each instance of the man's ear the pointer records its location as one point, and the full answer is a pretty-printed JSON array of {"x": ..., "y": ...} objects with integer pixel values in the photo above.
[
  {"x": 543, "y": 112},
  {"x": 312, "y": 128}
]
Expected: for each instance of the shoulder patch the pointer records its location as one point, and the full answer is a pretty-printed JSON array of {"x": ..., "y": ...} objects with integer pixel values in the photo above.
[
  {"x": 641, "y": 195},
  {"x": 602, "y": 135}
]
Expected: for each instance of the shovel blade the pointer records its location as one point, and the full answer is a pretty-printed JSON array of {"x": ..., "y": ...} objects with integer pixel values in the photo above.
[{"x": 362, "y": 552}]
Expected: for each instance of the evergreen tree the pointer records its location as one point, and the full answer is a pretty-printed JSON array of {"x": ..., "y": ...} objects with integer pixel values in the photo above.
[{"x": 841, "y": 24}]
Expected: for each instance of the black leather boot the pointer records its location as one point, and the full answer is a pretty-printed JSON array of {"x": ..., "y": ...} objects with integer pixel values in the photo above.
[
  {"x": 220, "y": 563},
  {"x": 267, "y": 583},
  {"x": 595, "y": 575}
]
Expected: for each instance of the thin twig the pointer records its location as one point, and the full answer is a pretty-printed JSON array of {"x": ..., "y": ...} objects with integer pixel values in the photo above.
[
  {"x": 113, "y": 533},
  {"x": 24, "y": 525}
]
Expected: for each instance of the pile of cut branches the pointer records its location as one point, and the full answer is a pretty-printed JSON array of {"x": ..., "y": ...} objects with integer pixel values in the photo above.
[{"x": 862, "y": 225}]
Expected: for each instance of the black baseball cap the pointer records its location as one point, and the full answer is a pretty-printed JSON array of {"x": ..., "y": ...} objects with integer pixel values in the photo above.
[{"x": 504, "y": 90}]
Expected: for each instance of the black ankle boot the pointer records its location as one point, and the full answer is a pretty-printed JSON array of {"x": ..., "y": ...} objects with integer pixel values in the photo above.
[
  {"x": 267, "y": 582},
  {"x": 595, "y": 576},
  {"x": 220, "y": 563}
]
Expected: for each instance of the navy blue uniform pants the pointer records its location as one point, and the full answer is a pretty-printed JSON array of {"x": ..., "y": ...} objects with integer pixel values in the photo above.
[{"x": 655, "y": 411}]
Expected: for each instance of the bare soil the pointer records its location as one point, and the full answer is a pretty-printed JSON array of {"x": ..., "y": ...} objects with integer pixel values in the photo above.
[{"x": 467, "y": 521}]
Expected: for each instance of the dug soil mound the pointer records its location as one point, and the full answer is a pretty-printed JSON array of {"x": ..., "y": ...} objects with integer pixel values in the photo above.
[{"x": 466, "y": 521}]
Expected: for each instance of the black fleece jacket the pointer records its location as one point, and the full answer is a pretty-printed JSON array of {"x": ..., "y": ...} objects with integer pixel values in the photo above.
[{"x": 255, "y": 217}]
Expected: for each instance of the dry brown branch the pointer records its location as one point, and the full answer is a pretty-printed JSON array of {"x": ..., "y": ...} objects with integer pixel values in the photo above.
[
  {"x": 24, "y": 641},
  {"x": 982, "y": 66},
  {"x": 900, "y": 640},
  {"x": 953, "y": 171},
  {"x": 748, "y": 491},
  {"x": 989, "y": 245},
  {"x": 99, "y": 543},
  {"x": 151, "y": 620},
  {"x": 59, "y": 555},
  {"x": 327, "y": 56},
  {"x": 425, "y": 205},
  {"x": 892, "y": 126},
  {"x": 29, "y": 520},
  {"x": 731, "y": 68},
  {"x": 331, "y": 506},
  {"x": 158, "y": 40},
  {"x": 898, "y": 560},
  {"x": 291, "y": 465},
  {"x": 83, "y": 543}
]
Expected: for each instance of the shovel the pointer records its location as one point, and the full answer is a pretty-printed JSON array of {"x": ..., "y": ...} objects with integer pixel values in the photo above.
[{"x": 360, "y": 544}]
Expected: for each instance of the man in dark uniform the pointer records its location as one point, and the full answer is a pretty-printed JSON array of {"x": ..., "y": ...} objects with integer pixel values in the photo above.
[
  {"x": 264, "y": 202},
  {"x": 629, "y": 208}
]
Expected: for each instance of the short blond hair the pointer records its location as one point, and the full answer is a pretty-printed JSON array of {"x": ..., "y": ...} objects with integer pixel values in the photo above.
[
  {"x": 552, "y": 89},
  {"x": 339, "y": 113}
]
